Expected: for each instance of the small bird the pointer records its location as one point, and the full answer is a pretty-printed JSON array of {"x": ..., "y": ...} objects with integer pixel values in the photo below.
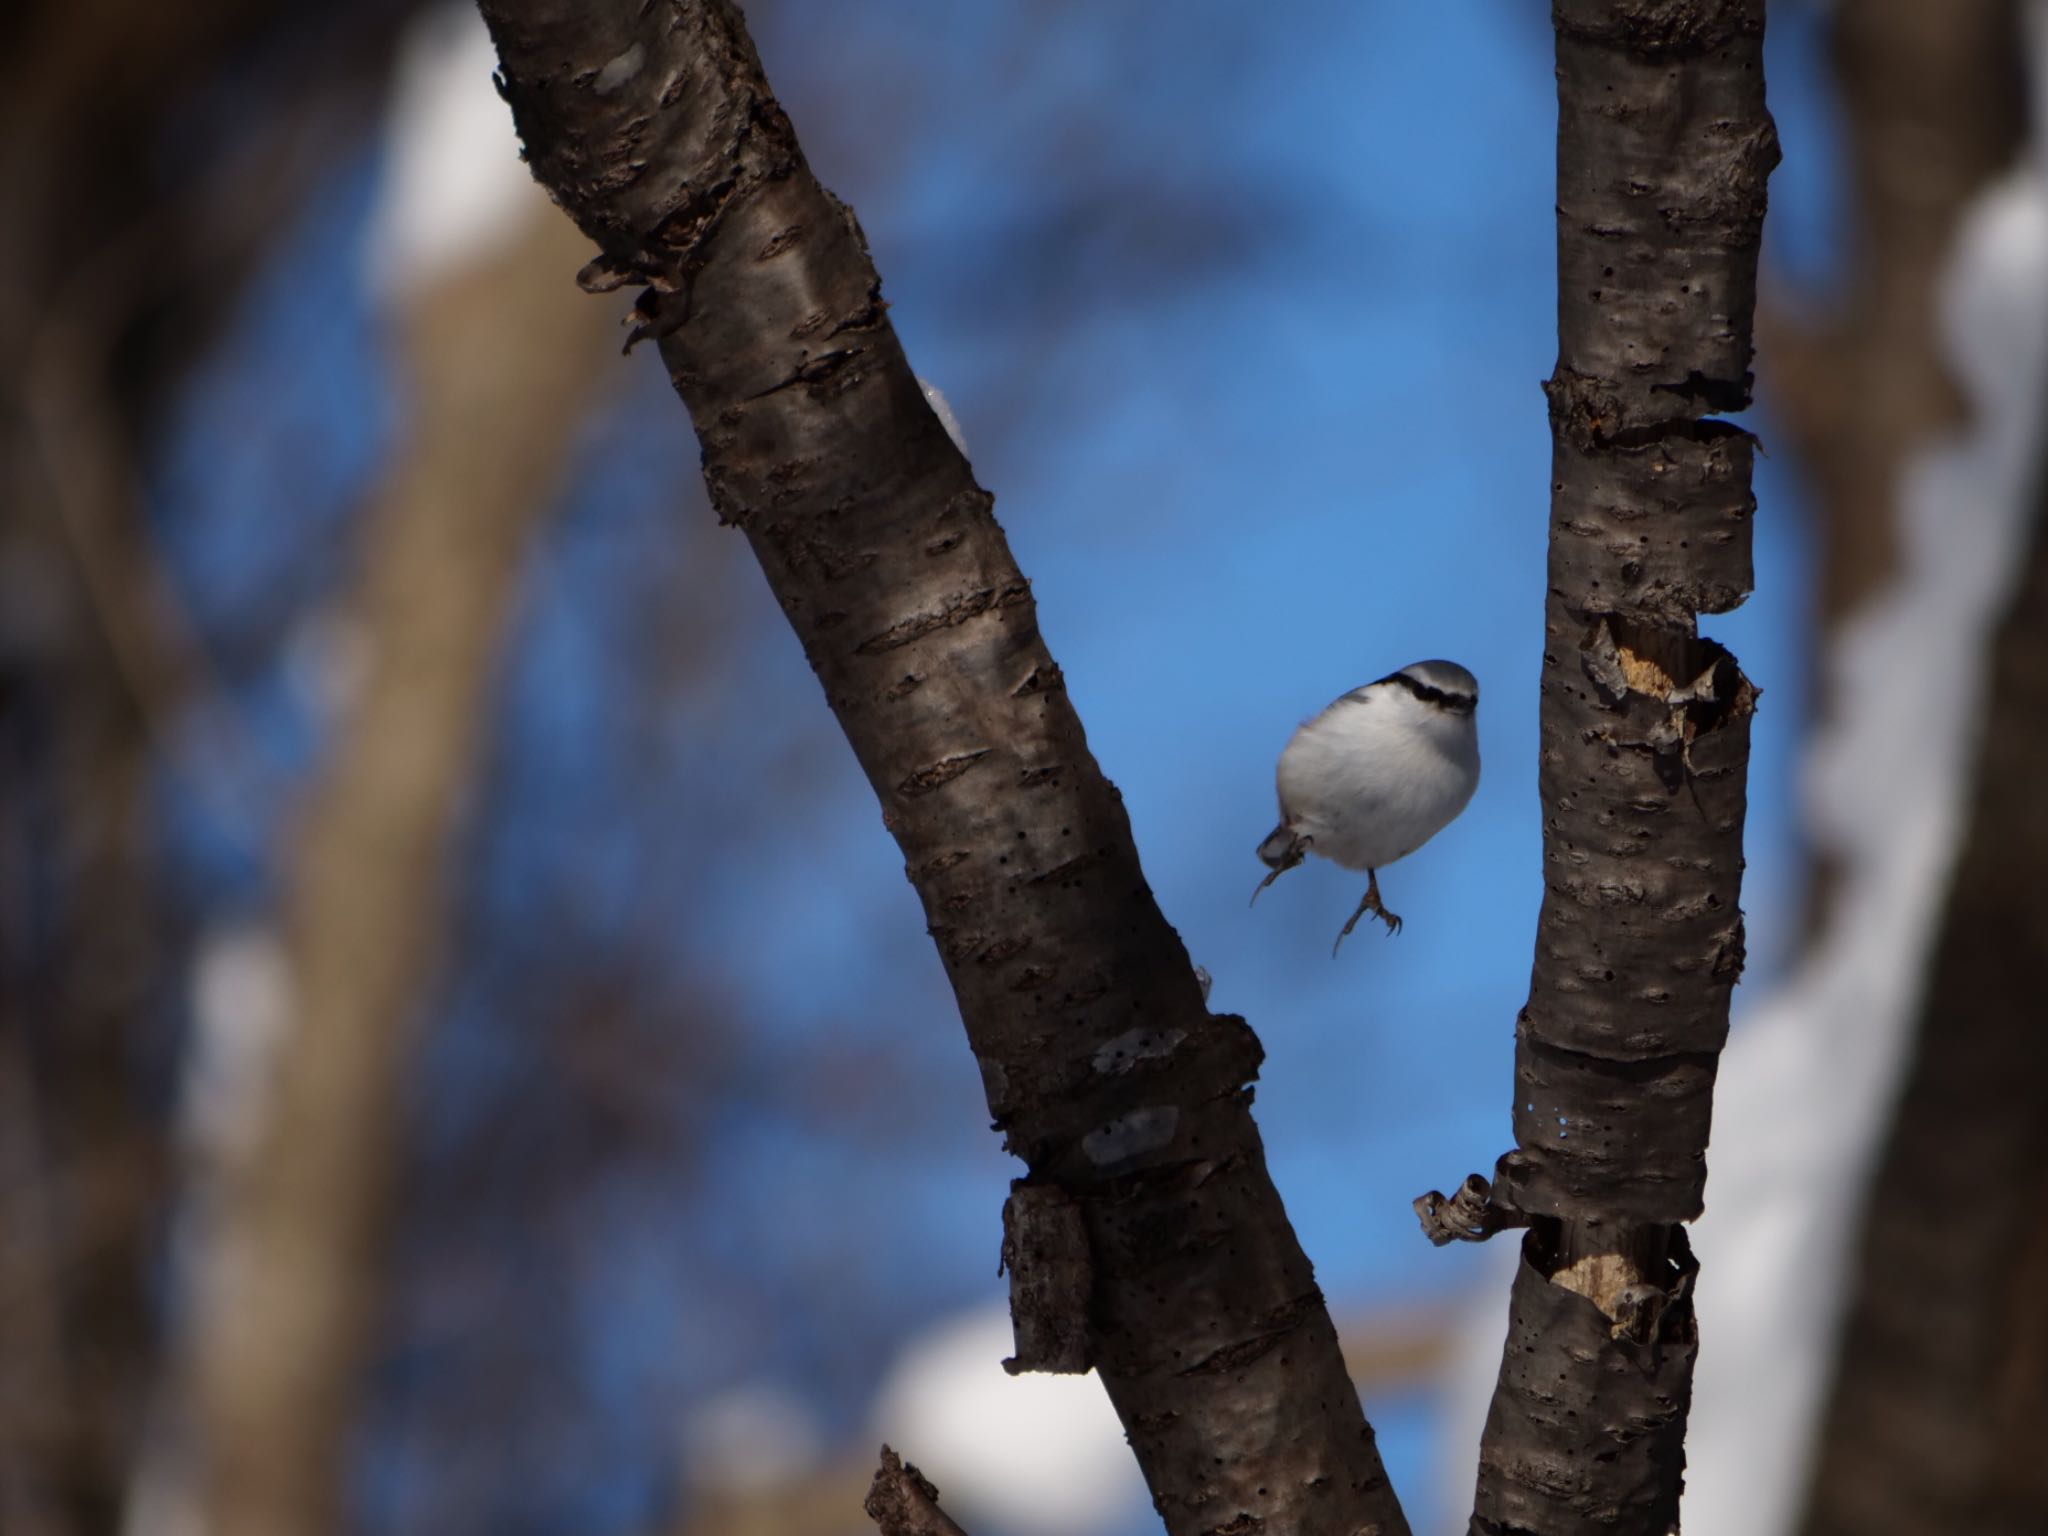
[{"x": 1376, "y": 775}]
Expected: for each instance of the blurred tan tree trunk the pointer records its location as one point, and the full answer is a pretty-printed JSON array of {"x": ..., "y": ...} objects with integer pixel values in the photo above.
[{"x": 504, "y": 356}]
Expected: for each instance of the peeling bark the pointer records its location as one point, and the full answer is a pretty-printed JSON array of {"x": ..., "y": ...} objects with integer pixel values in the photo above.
[
  {"x": 1045, "y": 1250},
  {"x": 1664, "y": 146},
  {"x": 655, "y": 130}
]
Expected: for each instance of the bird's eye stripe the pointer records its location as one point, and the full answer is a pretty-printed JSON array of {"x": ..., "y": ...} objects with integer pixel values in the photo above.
[{"x": 1452, "y": 701}]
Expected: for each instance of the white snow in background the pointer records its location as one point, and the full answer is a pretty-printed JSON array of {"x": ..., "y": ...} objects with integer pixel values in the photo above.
[
  {"x": 1468, "y": 1380},
  {"x": 749, "y": 1439},
  {"x": 326, "y": 660},
  {"x": 162, "y": 1500},
  {"x": 241, "y": 1001},
  {"x": 1812, "y": 1069},
  {"x": 241, "y": 1007},
  {"x": 454, "y": 185},
  {"x": 1036, "y": 1455},
  {"x": 945, "y": 414}
]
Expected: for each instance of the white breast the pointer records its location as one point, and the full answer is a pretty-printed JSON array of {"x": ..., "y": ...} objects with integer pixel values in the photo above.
[{"x": 1375, "y": 776}]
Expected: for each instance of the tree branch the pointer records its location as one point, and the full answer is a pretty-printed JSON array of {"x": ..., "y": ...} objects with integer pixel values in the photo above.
[
  {"x": 1663, "y": 149},
  {"x": 902, "y": 1501},
  {"x": 654, "y": 128}
]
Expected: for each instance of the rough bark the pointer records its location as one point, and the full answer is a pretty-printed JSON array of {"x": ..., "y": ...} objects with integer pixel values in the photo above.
[
  {"x": 902, "y": 1501},
  {"x": 503, "y": 364},
  {"x": 1664, "y": 146},
  {"x": 1939, "y": 1417},
  {"x": 654, "y": 128}
]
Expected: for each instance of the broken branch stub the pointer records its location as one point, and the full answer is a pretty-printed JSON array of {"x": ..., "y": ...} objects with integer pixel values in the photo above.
[
  {"x": 1045, "y": 1251},
  {"x": 902, "y": 1501}
]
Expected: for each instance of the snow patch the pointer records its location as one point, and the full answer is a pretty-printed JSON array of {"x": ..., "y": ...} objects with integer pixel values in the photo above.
[
  {"x": 1035, "y": 1455},
  {"x": 241, "y": 1011},
  {"x": 945, "y": 414},
  {"x": 454, "y": 186}
]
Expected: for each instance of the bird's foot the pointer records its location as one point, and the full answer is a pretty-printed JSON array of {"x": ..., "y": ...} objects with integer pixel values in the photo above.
[{"x": 1369, "y": 902}]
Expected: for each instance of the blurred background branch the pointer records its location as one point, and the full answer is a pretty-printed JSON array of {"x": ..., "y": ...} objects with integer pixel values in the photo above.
[{"x": 501, "y": 364}]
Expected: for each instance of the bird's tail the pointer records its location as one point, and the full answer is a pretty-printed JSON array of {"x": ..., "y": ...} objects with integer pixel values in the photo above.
[
  {"x": 1281, "y": 849},
  {"x": 1280, "y": 852}
]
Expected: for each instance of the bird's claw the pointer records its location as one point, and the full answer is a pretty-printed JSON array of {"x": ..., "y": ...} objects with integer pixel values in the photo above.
[{"x": 1369, "y": 902}]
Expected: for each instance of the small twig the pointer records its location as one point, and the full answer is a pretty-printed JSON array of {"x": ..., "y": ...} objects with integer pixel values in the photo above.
[{"x": 902, "y": 1501}]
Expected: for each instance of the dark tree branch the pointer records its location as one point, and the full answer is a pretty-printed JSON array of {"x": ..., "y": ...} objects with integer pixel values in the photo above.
[
  {"x": 902, "y": 1501},
  {"x": 1664, "y": 145},
  {"x": 653, "y": 127}
]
